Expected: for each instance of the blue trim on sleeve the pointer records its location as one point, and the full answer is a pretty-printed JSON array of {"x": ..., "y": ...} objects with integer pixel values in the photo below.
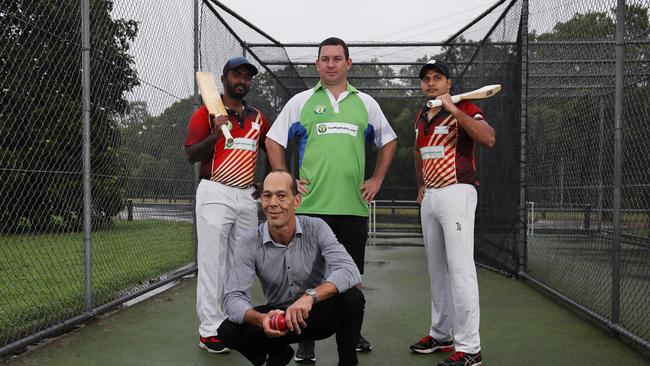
[
  {"x": 370, "y": 134},
  {"x": 298, "y": 131}
]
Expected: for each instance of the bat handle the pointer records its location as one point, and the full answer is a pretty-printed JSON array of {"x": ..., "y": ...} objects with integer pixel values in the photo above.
[
  {"x": 227, "y": 135},
  {"x": 434, "y": 103}
]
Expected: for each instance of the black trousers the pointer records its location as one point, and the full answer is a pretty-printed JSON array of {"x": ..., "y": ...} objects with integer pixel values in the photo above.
[
  {"x": 341, "y": 315},
  {"x": 352, "y": 232}
]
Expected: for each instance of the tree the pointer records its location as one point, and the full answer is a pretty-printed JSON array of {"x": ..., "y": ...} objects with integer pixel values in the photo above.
[
  {"x": 40, "y": 108},
  {"x": 153, "y": 148}
]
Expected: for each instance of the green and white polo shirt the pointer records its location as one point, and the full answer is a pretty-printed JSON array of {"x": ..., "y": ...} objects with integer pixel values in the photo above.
[{"x": 332, "y": 135}]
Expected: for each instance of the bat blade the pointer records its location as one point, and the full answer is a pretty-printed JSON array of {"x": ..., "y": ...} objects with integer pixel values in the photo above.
[
  {"x": 485, "y": 92},
  {"x": 482, "y": 93},
  {"x": 212, "y": 100},
  {"x": 210, "y": 94}
]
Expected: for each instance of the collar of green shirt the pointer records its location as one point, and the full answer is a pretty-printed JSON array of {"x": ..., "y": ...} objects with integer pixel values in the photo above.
[{"x": 349, "y": 88}]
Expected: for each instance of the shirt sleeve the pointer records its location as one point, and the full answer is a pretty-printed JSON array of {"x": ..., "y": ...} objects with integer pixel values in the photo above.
[
  {"x": 342, "y": 270},
  {"x": 237, "y": 291},
  {"x": 379, "y": 130},
  {"x": 264, "y": 130},
  {"x": 473, "y": 111},
  {"x": 279, "y": 131},
  {"x": 199, "y": 127}
]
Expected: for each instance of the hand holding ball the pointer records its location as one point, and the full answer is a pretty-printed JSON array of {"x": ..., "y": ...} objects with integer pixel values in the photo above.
[{"x": 277, "y": 322}]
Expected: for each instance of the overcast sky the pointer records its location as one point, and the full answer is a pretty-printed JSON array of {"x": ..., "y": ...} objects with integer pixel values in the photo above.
[{"x": 359, "y": 20}]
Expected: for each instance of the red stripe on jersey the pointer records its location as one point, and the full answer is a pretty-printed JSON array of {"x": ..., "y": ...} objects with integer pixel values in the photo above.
[
  {"x": 445, "y": 177},
  {"x": 235, "y": 160},
  {"x": 241, "y": 163},
  {"x": 442, "y": 171},
  {"x": 241, "y": 180}
]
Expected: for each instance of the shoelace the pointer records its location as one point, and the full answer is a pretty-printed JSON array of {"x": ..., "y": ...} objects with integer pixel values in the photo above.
[
  {"x": 425, "y": 339},
  {"x": 457, "y": 356}
]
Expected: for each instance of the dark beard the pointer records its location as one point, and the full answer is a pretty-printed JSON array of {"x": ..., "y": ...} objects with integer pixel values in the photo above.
[{"x": 232, "y": 91}]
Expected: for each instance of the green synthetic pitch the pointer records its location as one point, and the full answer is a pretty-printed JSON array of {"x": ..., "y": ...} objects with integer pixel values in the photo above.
[
  {"x": 580, "y": 267},
  {"x": 519, "y": 326}
]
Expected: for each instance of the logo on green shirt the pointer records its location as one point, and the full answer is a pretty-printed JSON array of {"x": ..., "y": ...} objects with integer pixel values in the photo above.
[
  {"x": 320, "y": 109},
  {"x": 322, "y": 128}
]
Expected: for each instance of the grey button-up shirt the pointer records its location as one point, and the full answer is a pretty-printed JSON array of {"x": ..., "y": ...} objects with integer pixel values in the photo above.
[{"x": 286, "y": 271}]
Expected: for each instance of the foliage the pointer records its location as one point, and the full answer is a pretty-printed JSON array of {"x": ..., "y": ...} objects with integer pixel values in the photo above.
[
  {"x": 155, "y": 168},
  {"x": 40, "y": 109}
]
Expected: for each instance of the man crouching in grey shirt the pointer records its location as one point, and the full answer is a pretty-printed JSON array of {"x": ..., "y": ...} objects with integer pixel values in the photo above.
[{"x": 305, "y": 273}]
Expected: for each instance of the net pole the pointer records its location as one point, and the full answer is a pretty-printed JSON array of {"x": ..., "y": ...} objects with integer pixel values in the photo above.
[
  {"x": 618, "y": 160},
  {"x": 524, "y": 123},
  {"x": 195, "y": 100},
  {"x": 87, "y": 207}
]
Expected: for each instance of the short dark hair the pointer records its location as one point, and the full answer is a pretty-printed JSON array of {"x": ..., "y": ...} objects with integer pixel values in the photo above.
[
  {"x": 294, "y": 184},
  {"x": 333, "y": 41}
]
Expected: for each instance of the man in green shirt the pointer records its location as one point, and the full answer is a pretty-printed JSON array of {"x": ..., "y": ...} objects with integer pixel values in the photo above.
[{"x": 333, "y": 121}]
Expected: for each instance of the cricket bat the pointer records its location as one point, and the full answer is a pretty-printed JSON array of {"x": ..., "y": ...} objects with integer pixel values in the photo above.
[
  {"x": 212, "y": 100},
  {"x": 483, "y": 93}
]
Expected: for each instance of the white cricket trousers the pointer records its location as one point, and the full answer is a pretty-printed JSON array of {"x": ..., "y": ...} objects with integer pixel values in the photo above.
[
  {"x": 223, "y": 215},
  {"x": 447, "y": 217}
]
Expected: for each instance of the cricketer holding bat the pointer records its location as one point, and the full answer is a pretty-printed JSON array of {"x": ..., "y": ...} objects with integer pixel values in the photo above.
[
  {"x": 225, "y": 209},
  {"x": 333, "y": 121},
  {"x": 304, "y": 272},
  {"x": 446, "y": 173}
]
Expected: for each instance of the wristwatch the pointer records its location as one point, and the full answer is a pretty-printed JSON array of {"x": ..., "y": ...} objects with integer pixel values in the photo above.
[{"x": 312, "y": 292}]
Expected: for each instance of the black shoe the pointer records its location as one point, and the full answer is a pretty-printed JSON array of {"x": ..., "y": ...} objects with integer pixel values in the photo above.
[
  {"x": 212, "y": 344},
  {"x": 429, "y": 345},
  {"x": 462, "y": 359},
  {"x": 363, "y": 345},
  {"x": 281, "y": 359},
  {"x": 305, "y": 353}
]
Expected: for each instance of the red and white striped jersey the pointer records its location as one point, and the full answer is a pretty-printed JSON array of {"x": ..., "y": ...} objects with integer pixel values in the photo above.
[
  {"x": 447, "y": 151},
  {"x": 234, "y": 166}
]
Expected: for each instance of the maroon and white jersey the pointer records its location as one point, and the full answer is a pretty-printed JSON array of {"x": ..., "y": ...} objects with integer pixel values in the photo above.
[
  {"x": 447, "y": 151},
  {"x": 233, "y": 166}
]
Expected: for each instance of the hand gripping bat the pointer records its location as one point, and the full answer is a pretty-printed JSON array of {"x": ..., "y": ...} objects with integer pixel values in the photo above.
[{"x": 212, "y": 100}]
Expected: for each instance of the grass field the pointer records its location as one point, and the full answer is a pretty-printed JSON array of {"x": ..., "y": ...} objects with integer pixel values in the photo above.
[{"x": 42, "y": 276}]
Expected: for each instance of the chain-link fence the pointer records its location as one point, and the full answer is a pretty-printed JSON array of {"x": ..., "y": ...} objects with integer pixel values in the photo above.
[
  {"x": 583, "y": 242},
  {"x": 140, "y": 100},
  {"x": 563, "y": 197}
]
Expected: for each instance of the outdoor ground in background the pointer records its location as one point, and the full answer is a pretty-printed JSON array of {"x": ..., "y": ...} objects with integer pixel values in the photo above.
[
  {"x": 519, "y": 326},
  {"x": 42, "y": 275},
  {"x": 580, "y": 267}
]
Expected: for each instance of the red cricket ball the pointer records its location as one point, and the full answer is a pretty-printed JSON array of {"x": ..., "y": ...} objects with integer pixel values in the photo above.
[{"x": 277, "y": 322}]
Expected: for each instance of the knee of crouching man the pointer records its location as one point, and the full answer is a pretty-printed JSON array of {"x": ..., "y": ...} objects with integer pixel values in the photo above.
[{"x": 354, "y": 299}]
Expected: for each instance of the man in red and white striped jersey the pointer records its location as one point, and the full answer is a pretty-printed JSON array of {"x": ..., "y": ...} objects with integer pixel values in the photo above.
[
  {"x": 446, "y": 172},
  {"x": 225, "y": 209}
]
